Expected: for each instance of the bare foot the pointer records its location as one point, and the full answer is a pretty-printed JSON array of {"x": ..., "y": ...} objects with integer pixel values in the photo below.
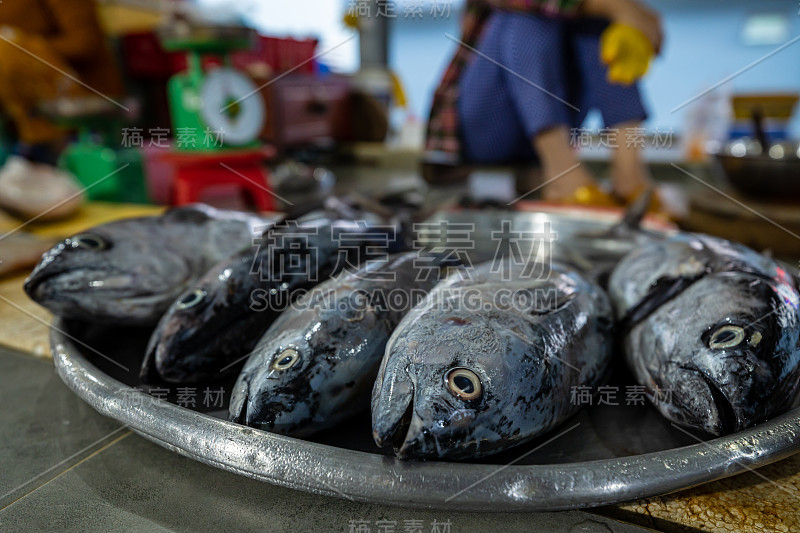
[
  {"x": 629, "y": 173},
  {"x": 571, "y": 178},
  {"x": 562, "y": 172}
]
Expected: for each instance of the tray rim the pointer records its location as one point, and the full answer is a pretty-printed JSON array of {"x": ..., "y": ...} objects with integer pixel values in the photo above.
[{"x": 374, "y": 478}]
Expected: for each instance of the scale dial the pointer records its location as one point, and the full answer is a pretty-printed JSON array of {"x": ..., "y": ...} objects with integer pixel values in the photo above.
[{"x": 232, "y": 104}]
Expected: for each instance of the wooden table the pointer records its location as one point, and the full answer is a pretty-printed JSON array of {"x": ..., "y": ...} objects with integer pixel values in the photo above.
[{"x": 765, "y": 500}]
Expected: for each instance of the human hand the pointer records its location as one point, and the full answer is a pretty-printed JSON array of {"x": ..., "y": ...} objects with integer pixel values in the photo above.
[
  {"x": 630, "y": 13},
  {"x": 626, "y": 51}
]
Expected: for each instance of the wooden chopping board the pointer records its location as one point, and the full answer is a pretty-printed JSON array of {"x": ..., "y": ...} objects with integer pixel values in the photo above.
[{"x": 767, "y": 500}]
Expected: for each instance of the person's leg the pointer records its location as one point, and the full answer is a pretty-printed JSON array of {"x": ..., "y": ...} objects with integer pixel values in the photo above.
[
  {"x": 536, "y": 78},
  {"x": 629, "y": 172},
  {"x": 561, "y": 169},
  {"x": 620, "y": 106},
  {"x": 490, "y": 129}
]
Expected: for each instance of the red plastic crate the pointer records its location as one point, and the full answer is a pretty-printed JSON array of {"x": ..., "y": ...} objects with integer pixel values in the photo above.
[
  {"x": 145, "y": 58},
  {"x": 281, "y": 54}
]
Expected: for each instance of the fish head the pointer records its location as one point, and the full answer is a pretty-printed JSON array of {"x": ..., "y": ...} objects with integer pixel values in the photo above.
[
  {"x": 206, "y": 326},
  {"x": 313, "y": 367},
  {"x": 114, "y": 273},
  {"x": 273, "y": 391},
  {"x": 448, "y": 389},
  {"x": 724, "y": 354}
]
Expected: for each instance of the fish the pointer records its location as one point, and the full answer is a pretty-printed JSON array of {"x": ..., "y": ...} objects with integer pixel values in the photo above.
[
  {"x": 710, "y": 329},
  {"x": 215, "y": 322},
  {"x": 488, "y": 360},
  {"x": 316, "y": 365},
  {"x": 129, "y": 271}
]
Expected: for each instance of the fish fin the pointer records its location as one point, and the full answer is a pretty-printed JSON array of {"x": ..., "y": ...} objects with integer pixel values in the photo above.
[
  {"x": 300, "y": 210},
  {"x": 630, "y": 223},
  {"x": 402, "y": 219},
  {"x": 632, "y": 220},
  {"x": 662, "y": 291}
]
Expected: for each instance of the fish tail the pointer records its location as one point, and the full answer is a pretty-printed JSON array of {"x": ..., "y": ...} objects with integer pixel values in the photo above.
[{"x": 634, "y": 215}]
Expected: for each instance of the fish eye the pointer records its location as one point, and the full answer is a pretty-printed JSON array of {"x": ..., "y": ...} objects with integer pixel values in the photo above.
[
  {"x": 286, "y": 359},
  {"x": 191, "y": 299},
  {"x": 464, "y": 384},
  {"x": 726, "y": 337},
  {"x": 89, "y": 241}
]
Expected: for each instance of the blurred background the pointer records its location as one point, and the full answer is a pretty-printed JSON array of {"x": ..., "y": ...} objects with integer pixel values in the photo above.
[{"x": 267, "y": 104}]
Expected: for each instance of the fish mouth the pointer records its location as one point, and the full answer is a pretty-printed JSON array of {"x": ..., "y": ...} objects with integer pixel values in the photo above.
[
  {"x": 397, "y": 435},
  {"x": 726, "y": 421},
  {"x": 727, "y": 416},
  {"x": 238, "y": 410},
  {"x": 391, "y": 420},
  {"x": 263, "y": 416},
  {"x": 36, "y": 286},
  {"x": 172, "y": 356}
]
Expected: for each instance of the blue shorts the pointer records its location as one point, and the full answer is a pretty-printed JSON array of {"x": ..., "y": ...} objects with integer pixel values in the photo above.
[{"x": 541, "y": 62}]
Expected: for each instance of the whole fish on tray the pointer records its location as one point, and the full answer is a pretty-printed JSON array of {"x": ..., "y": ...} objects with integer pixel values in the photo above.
[
  {"x": 216, "y": 322},
  {"x": 317, "y": 363},
  {"x": 711, "y": 329},
  {"x": 129, "y": 271},
  {"x": 488, "y": 361}
]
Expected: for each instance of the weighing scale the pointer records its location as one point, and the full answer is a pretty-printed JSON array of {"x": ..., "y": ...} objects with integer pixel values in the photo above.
[
  {"x": 205, "y": 101},
  {"x": 107, "y": 171},
  {"x": 217, "y": 115}
]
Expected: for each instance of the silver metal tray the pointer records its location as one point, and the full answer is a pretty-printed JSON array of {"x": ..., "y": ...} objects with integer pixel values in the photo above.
[{"x": 605, "y": 454}]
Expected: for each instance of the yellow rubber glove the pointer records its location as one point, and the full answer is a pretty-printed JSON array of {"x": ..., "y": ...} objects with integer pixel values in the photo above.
[
  {"x": 626, "y": 51},
  {"x": 398, "y": 91},
  {"x": 351, "y": 19}
]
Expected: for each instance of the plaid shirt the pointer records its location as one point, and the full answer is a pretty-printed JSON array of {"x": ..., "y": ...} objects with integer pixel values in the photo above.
[{"x": 443, "y": 144}]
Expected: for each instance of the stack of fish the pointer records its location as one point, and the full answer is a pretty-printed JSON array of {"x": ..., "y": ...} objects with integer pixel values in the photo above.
[{"x": 455, "y": 362}]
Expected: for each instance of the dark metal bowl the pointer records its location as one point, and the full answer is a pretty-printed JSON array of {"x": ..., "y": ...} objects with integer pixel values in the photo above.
[{"x": 774, "y": 172}]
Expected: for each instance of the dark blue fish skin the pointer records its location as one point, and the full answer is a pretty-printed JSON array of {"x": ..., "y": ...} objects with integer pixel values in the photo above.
[
  {"x": 235, "y": 302},
  {"x": 337, "y": 332},
  {"x": 711, "y": 329},
  {"x": 129, "y": 271},
  {"x": 526, "y": 356}
]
